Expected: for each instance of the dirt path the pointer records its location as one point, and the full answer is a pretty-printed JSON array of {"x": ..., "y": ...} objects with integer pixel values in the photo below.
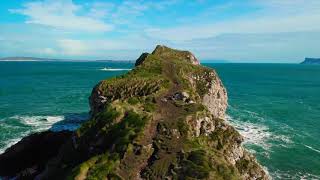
[{"x": 166, "y": 112}]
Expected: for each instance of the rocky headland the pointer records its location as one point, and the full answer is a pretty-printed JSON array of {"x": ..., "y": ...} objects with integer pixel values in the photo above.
[
  {"x": 162, "y": 120},
  {"x": 311, "y": 61}
]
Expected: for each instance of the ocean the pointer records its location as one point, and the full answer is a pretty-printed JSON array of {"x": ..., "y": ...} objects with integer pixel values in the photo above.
[{"x": 276, "y": 107}]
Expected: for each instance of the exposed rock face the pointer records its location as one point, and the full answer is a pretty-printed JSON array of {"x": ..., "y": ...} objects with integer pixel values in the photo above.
[
  {"x": 28, "y": 157},
  {"x": 162, "y": 120},
  {"x": 141, "y": 59},
  {"x": 212, "y": 92},
  {"x": 216, "y": 99}
]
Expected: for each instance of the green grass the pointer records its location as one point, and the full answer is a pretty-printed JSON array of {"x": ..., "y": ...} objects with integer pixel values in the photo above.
[
  {"x": 96, "y": 168},
  {"x": 183, "y": 127},
  {"x": 133, "y": 100},
  {"x": 149, "y": 107},
  {"x": 103, "y": 167},
  {"x": 118, "y": 137},
  {"x": 97, "y": 122}
]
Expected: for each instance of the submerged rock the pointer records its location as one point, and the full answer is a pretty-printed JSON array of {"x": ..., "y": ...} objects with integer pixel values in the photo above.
[{"x": 162, "y": 120}]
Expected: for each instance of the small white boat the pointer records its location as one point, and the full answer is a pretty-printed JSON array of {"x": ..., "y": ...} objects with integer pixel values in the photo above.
[{"x": 110, "y": 69}]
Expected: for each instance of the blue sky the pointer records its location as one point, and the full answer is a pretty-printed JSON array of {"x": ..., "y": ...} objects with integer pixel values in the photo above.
[{"x": 241, "y": 31}]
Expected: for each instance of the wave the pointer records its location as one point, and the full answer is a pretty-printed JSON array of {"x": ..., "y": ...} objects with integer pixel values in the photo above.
[
  {"x": 288, "y": 175},
  {"x": 11, "y": 142},
  {"x": 258, "y": 133},
  {"x": 39, "y": 123},
  {"x": 313, "y": 149},
  {"x": 254, "y": 134},
  {"x": 35, "y": 124},
  {"x": 114, "y": 69},
  {"x": 32, "y": 124}
]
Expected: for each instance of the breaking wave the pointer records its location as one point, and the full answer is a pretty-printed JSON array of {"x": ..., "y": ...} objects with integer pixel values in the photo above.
[
  {"x": 258, "y": 133},
  {"x": 39, "y": 123},
  {"x": 289, "y": 175},
  {"x": 32, "y": 124}
]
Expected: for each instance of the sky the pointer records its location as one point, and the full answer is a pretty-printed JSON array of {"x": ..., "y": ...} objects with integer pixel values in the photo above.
[{"x": 278, "y": 31}]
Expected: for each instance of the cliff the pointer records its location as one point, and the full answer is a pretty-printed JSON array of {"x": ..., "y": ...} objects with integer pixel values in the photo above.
[
  {"x": 311, "y": 61},
  {"x": 162, "y": 120}
]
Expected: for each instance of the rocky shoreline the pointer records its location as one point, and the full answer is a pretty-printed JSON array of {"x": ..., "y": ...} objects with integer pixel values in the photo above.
[
  {"x": 162, "y": 120},
  {"x": 29, "y": 156}
]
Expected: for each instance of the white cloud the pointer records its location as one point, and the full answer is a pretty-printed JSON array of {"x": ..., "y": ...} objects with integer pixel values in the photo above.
[
  {"x": 273, "y": 17},
  {"x": 49, "y": 51},
  {"x": 290, "y": 5},
  {"x": 61, "y": 14},
  {"x": 72, "y": 47},
  {"x": 100, "y": 9},
  {"x": 259, "y": 25},
  {"x": 283, "y": 47},
  {"x": 127, "y": 11},
  {"x": 116, "y": 48},
  {"x": 273, "y": 29},
  {"x": 95, "y": 16}
]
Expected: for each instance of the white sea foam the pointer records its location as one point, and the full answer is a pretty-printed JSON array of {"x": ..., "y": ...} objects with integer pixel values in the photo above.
[
  {"x": 313, "y": 149},
  {"x": 39, "y": 123},
  {"x": 258, "y": 133},
  {"x": 10, "y": 143},
  {"x": 114, "y": 69},
  {"x": 288, "y": 175}
]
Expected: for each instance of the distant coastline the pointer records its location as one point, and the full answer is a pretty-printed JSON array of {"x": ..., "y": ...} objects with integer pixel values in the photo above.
[
  {"x": 34, "y": 59},
  {"x": 216, "y": 61},
  {"x": 21, "y": 58},
  {"x": 311, "y": 61}
]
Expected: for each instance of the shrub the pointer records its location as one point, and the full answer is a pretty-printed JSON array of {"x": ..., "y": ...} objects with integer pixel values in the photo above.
[
  {"x": 149, "y": 107},
  {"x": 133, "y": 100}
]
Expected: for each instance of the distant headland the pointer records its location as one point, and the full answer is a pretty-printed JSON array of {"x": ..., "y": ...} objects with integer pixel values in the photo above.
[{"x": 311, "y": 61}]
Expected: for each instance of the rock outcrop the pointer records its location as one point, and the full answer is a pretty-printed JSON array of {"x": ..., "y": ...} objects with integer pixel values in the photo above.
[
  {"x": 162, "y": 120},
  {"x": 28, "y": 157},
  {"x": 311, "y": 61}
]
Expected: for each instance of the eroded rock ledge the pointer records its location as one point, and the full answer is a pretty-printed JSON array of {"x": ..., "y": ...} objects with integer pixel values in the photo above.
[{"x": 162, "y": 120}]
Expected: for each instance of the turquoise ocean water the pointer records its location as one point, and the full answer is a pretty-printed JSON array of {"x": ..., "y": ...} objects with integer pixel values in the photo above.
[{"x": 276, "y": 107}]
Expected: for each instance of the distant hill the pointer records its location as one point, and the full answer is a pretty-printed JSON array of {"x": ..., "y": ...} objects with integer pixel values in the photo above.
[
  {"x": 311, "y": 61},
  {"x": 25, "y": 59},
  {"x": 116, "y": 61}
]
